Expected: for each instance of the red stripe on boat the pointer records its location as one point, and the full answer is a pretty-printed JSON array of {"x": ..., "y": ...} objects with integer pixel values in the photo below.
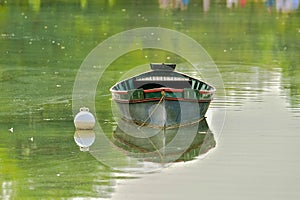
[
  {"x": 206, "y": 92},
  {"x": 158, "y": 99}
]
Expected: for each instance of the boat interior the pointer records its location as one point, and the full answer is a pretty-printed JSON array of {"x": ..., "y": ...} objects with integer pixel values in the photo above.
[{"x": 152, "y": 81}]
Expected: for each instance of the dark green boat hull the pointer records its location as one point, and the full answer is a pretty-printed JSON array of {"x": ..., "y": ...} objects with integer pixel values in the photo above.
[{"x": 167, "y": 113}]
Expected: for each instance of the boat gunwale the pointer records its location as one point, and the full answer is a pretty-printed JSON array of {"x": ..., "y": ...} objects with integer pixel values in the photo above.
[
  {"x": 165, "y": 89},
  {"x": 165, "y": 98},
  {"x": 112, "y": 90}
]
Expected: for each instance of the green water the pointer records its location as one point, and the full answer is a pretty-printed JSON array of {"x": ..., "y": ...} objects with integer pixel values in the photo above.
[{"x": 43, "y": 43}]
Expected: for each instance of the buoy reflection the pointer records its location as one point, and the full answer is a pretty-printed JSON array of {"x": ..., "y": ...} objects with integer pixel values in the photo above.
[{"x": 84, "y": 139}]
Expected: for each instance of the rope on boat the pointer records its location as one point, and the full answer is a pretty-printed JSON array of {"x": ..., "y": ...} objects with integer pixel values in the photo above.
[
  {"x": 185, "y": 124},
  {"x": 164, "y": 127},
  {"x": 161, "y": 99},
  {"x": 144, "y": 123}
]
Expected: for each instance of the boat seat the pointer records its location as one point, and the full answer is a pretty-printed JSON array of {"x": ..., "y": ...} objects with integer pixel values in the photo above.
[{"x": 158, "y": 84}]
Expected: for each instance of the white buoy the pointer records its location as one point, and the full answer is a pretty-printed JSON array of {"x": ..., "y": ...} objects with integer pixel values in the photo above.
[
  {"x": 84, "y": 120},
  {"x": 84, "y": 139}
]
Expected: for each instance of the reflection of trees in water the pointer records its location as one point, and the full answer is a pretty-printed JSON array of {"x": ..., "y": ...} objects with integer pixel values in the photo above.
[
  {"x": 292, "y": 84},
  {"x": 288, "y": 56}
]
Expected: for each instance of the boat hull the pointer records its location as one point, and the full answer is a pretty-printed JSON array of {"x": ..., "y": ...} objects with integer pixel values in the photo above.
[{"x": 163, "y": 113}]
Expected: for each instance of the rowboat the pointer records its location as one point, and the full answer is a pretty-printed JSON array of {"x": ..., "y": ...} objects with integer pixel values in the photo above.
[{"x": 162, "y": 97}]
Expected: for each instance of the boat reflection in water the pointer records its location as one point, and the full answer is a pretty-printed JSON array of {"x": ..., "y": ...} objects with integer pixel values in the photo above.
[
  {"x": 182, "y": 143},
  {"x": 84, "y": 139}
]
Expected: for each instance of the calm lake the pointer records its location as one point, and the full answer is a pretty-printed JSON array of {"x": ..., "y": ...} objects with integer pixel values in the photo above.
[{"x": 247, "y": 147}]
